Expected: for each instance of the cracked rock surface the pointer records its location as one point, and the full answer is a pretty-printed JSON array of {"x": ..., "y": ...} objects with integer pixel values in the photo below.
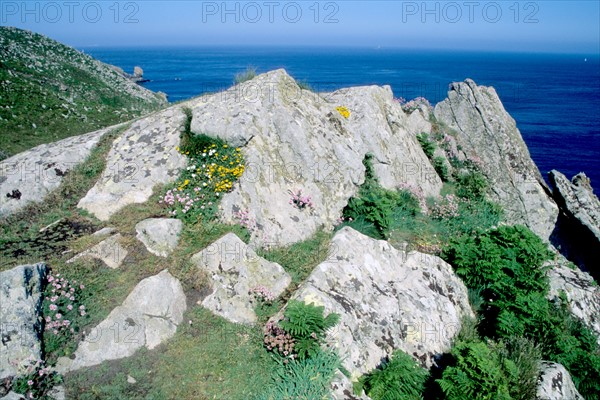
[
  {"x": 387, "y": 299},
  {"x": 235, "y": 270},
  {"x": 140, "y": 158},
  {"x": 29, "y": 176},
  {"x": 555, "y": 383},
  {"x": 147, "y": 317},
  {"x": 295, "y": 139},
  {"x": 20, "y": 307},
  {"x": 485, "y": 130}
]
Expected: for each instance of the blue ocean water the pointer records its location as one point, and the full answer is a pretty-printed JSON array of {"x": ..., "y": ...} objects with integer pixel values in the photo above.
[{"x": 555, "y": 98}]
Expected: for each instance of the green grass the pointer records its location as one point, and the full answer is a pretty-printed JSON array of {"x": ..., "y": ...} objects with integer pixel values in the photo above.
[
  {"x": 20, "y": 237},
  {"x": 300, "y": 259},
  {"x": 56, "y": 92},
  {"x": 207, "y": 359},
  {"x": 248, "y": 74}
]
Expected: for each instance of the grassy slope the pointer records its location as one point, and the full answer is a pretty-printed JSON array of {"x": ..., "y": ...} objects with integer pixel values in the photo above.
[{"x": 49, "y": 91}]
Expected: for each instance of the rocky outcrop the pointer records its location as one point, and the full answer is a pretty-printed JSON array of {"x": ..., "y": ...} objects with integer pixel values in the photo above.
[
  {"x": 29, "y": 176},
  {"x": 387, "y": 299},
  {"x": 141, "y": 157},
  {"x": 295, "y": 139},
  {"x": 555, "y": 383},
  {"x": 582, "y": 293},
  {"x": 159, "y": 235},
  {"x": 237, "y": 273},
  {"x": 579, "y": 218},
  {"x": 51, "y": 91},
  {"x": 110, "y": 251},
  {"x": 147, "y": 317},
  {"x": 486, "y": 131},
  {"x": 21, "y": 291}
]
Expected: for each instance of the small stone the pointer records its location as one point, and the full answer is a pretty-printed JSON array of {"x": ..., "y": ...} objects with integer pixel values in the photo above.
[
  {"x": 148, "y": 316},
  {"x": 131, "y": 379},
  {"x": 110, "y": 251},
  {"x": 159, "y": 235},
  {"x": 235, "y": 270}
]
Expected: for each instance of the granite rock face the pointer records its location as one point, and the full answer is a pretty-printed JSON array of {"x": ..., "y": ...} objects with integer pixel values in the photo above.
[
  {"x": 159, "y": 235},
  {"x": 555, "y": 383},
  {"x": 297, "y": 140},
  {"x": 20, "y": 309},
  {"x": 29, "y": 176},
  {"x": 583, "y": 295},
  {"x": 140, "y": 158},
  {"x": 578, "y": 230},
  {"x": 235, "y": 271},
  {"x": 147, "y": 317},
  {"x": 387, "y": 299},
  {"x": 487, "y": 132}
]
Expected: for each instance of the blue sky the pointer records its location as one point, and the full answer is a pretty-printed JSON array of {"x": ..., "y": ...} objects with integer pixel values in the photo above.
[{"x": 536, "y": 26}]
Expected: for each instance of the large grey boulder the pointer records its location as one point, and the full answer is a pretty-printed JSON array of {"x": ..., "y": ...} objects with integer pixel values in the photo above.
[
  {"x": 295, "y": 139},
  {"x": 235, "y": 271},
  {"x": 387, "y": 299},
  {"x": 159, "y": 235},
  {"x": 20, "y": 310},
  {"x": 582, "y": 293},
  {"x": 580, "y": 219},
  {"x": 29, "y": 176},
  {"x": 555, "y": 383},
  {"x": 141, "y": 157},
  {"x": 148, "y": 316},
  {"x": 485, "y": 130}
]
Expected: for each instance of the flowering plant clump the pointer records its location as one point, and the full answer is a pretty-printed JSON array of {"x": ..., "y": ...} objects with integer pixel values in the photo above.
[
  {"x": 447, "y": 208},
  {"x": 35, "y": 380},
  {"x": 211, "y": 172},
  {"x": 414, "y": 104},
  {"x": 245, "y": 220},
  {"x": 263, "y": 294},
  {"x": 417, "y": 192},
  {"x": 277, "y": 340},
  {"x": 343, "y": 219},
  {"x": 344, "y": 112},
  {"x": 62, "y": 311},
  {"x": 299, "y": 201}
]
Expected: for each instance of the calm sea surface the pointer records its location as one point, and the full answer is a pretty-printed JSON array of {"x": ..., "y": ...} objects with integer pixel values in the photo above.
[{"x": 554, "y": 98}]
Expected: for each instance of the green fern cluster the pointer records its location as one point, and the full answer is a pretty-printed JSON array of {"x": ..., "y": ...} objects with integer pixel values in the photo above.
[
  {"x": 397, "y": 378},
  {"x": 427, "y": 145},
  {"x": 505, "y": 266},
  {"x": 375, "y": 210},
  {"x": 477, "y": 374},
  {"x": 308, "y": 325}
]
